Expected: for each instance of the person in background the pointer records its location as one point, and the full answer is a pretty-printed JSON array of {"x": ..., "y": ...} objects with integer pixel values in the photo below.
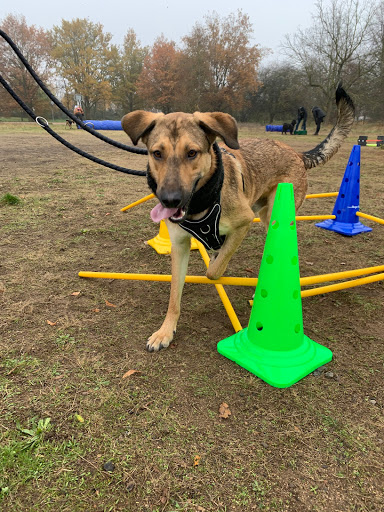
[
  {"x": 301, "y": 116},
  {"x": 79, "y": 113},
  {"x": 318, "y": 116}
]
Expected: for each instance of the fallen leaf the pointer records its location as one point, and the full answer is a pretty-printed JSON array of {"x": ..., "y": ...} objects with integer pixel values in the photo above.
[
  {"x": 130, "y": 372},
  {"x": 250, "y": 270},
  {"x": 75, "y": 294},
  {"x": 130, "y": 486},
  {"x": 79, "y": 418},
  {"x": 96, "y": 310},
  {"x": 224, "y": 411},
  {"x": 164, "y": 496},
  {"x": 107, "y": 214},
  {"x": 196, "y": 460},
  {"x": 51, "y": 323},
  {"x": 110, "y": 304}
]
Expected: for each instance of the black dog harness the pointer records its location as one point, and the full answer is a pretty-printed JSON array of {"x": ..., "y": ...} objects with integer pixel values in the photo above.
[{"x": 206, "y": 230}]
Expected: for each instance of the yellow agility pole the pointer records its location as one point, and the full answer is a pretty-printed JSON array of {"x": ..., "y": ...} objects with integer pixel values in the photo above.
[
  {"x": 166, "y": 278},
  {"x": 307, "y": 217},
  {"x": 142, "y": 200},
  {"x": 370, "y": 217},
  {"x": 231, "y": 281},
  {"x": 222, "y": 293},
  {"x": 338, "y": 276},
  {"x": 323, "y": 194},
  {"x": 315, "y": 217},
  {"x": 342, "y": 286},
  {"x": 151, "y": 196}
]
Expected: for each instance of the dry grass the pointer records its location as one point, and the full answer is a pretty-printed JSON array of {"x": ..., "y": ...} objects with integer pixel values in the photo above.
[{"x": 316, "y": 446}]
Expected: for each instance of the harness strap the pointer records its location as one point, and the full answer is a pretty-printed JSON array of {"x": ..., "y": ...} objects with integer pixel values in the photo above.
[{"x": 206, "y": 230}]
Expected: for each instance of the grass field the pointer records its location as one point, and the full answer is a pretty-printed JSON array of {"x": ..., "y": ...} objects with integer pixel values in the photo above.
[{"x": 81, "y": 431}]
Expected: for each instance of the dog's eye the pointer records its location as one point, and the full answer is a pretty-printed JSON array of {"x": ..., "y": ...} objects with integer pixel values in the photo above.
[
  {"x": 157, "y": 154},
  {"x": 192, "y": 153}
]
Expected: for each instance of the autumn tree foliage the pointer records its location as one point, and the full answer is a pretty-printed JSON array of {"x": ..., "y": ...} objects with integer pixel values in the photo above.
[
  {"x": 83, "y": 56},
  {"x": 159, "y": 80},
  {"x": 127, "y": 66},
  {"x": 220, "y": 64},
  {"x": 216, "y": 66},
  {"x": 34, "y": 44}
]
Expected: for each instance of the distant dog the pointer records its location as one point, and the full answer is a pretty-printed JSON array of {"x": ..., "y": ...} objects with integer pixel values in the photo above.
[
  {"x": 68, "y": 124},
  {"x": 211, "y": 192},
  {"x": 289, "y": 127}
]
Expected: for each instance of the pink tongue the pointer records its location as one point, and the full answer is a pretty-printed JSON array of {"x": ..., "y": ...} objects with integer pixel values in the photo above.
[{"x": 159, "y": 213}]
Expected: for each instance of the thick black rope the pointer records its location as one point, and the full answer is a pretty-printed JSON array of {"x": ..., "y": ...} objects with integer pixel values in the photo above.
[
  {"x": 44, "y": 124},
  {"x": 139, "y": 151}
]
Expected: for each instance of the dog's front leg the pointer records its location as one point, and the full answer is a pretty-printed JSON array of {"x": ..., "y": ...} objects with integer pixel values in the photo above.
[
  {"x": 180, "y": 256},
  {"x": 218, "y": 266}
]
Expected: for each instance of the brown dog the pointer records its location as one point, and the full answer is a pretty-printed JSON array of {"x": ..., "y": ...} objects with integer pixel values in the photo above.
[{"x": 212, "y": 193}]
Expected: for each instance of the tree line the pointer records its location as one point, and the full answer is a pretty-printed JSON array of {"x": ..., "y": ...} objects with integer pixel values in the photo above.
[{"x": 216, "y": 67}]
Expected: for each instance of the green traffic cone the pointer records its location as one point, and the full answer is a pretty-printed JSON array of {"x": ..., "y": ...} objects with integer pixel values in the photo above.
[{"x": 274, "y": 346}]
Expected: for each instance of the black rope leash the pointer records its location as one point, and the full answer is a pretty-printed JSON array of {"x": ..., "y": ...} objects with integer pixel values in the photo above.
[
  {"x": 44, "y": 124},
  {"x": 139, "y": 151}
]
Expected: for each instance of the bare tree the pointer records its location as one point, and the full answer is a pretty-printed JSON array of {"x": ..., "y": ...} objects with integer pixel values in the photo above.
[
  {"x": 336, "y": 47},
  {"x": 280, "y": 95},
  {"x": 373, "y": 104}
]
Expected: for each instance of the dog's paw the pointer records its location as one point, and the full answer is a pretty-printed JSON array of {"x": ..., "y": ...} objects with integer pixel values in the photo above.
[
  {"x": 213, "y": 272},
  {"x": 159, "y": 339},
  {"x": 212, "y": 275}
]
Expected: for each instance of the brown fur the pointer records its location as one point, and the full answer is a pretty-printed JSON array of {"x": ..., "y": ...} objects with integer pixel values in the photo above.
[{"x": 252, "y": 172}]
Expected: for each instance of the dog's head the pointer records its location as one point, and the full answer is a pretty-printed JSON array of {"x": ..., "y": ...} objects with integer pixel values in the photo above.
[{"x": 179, "y": 151}]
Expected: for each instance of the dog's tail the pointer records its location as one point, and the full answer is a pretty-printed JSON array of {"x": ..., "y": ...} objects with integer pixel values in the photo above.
[{"x": 330, "y": 145}]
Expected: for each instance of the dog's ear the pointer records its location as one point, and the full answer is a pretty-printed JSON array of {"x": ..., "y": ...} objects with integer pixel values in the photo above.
[
  {"x": 138, "y": 124},
  {"x": 218, "y": 123}
]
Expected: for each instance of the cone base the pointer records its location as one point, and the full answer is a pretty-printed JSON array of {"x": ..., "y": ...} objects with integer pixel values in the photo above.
[
  {"x": 279, "y": 369},
  {"x": 344, "y": 228},
  {"x": 163, "y": 245},
  {"x": 160, "y": 244}
]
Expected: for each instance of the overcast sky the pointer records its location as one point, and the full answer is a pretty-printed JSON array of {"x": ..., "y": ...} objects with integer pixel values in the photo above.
[{"x": 271, "y": 19}]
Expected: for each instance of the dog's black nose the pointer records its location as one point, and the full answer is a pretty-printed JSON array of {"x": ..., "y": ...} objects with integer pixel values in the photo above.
[{"x": 171, "y": 199}]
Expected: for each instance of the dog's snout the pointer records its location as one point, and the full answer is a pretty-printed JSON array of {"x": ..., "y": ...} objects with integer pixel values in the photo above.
[{"x": 171, "y": 198}]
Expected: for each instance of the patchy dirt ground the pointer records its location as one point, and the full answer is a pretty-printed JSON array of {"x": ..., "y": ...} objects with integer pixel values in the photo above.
[{"x": 154, "y": 440}]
